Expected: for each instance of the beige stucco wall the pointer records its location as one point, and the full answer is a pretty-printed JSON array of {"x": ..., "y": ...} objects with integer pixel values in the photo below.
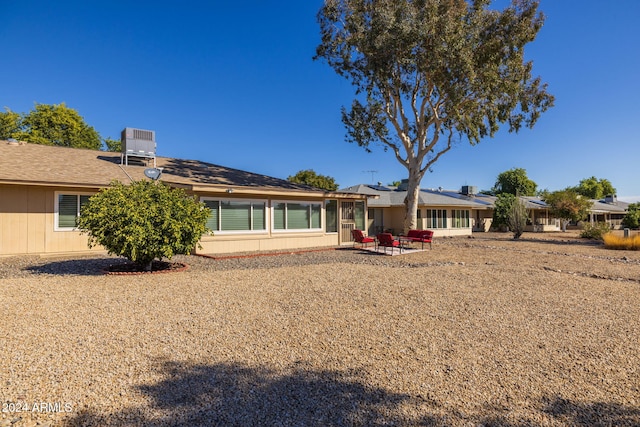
[
  {"x": 289, "y": 241},
  {"x": 27, "y": 222},
  {"x": 394, "y": 219}
]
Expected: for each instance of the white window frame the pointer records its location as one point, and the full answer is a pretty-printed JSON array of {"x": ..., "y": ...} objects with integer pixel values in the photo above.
[
  {"x": 297, "y": 230},
  {"x": 56, "y": 203},
  {"x": 232, "y": 232}
]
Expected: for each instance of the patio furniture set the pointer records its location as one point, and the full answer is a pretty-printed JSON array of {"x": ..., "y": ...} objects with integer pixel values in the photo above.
[{"x": 386, "y": 240}]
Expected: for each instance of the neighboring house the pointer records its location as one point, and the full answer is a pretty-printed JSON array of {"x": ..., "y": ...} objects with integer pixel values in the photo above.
[
  {"x": 42, "y": 189},
  {"x": 540, "y": 220},
  {"x": 608, "y": 210},
  {"x": 447, "y": 213}
]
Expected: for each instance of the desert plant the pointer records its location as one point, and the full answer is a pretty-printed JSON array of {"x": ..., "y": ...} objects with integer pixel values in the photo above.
[
  {"x": 143, "y": 221},
  {"x": 595, "y": 231},
  {"x": 614, "y": 241},
  {"x": 517, "y": 217}
]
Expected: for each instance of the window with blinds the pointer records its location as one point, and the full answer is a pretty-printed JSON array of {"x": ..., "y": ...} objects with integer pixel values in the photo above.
[
  {"x": 236, "y": 215},
  {"x": 297, "y": 216},
  {"x": 68, "y": 207},
  {"x": 359, "y": 215},
  {"x": 460, "y": 218},
  {"x": 331, "y": 216},
  {"x": 436, "y": 218}
]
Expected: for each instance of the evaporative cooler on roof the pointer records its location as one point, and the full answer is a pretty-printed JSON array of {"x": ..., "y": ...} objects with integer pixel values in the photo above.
[{"x": 138, "y": 143}]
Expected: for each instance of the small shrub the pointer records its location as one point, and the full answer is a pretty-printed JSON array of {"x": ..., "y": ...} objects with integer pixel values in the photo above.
[
  {"x": 143, "y": 221},
  {"x": 595, "y": 231},
  {"x": 614, "y": 241},
  {"x": 503, "y": 204},
  {"x": 632, "y": 218}
]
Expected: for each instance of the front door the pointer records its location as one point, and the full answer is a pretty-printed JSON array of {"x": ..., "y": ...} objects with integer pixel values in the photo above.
[
  {"x": 347, "y": 221},
  {"x": 352, "y": 216}
]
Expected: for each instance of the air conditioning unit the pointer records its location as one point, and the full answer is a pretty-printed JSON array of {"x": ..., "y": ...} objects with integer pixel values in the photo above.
[
  {"x": 138, "y": 143},
  {"x": 469, "y": 190}
]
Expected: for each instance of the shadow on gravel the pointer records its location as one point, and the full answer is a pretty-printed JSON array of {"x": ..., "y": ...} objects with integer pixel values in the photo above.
[
  {"x": 550, "y": 241},
  {"x": 232, "y": 394},
  {"x": 592, "y": 413},
  {"x": 75, "y": 267}
]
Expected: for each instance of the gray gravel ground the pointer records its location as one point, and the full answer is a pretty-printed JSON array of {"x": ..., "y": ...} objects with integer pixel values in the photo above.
[{"x": 476, "y": 332}]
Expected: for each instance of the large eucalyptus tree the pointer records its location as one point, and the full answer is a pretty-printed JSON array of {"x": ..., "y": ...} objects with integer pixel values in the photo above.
[{"x": 428, "y": 73}]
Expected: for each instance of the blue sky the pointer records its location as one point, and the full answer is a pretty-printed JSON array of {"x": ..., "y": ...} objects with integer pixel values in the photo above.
[{"x": 234, "y": 83}]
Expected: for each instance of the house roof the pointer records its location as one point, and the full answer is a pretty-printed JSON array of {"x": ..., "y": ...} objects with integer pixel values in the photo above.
[
  {"x": 392, "y": 196},
  {"x": 603, "y": 206},
  {"x": 34, "y": 164}
]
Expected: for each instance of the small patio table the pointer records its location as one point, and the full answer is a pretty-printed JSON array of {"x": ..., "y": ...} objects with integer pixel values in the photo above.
[{"x": 404, "y": 242}]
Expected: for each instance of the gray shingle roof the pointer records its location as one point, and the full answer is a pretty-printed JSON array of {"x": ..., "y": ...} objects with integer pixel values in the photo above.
[
  {"x": 614, "y": 207},
  {"x": 50, "y": 165},
  {"x": 391, "y": 196}
]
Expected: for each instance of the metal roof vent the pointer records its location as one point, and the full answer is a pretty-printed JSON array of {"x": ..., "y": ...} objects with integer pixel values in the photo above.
[{"x": 139, "y": 144}]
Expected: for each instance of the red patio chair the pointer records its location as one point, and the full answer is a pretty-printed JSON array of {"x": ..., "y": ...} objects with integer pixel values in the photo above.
[
  {"x": 361, "y": 239},
  {"x": 387, "y": 241}
]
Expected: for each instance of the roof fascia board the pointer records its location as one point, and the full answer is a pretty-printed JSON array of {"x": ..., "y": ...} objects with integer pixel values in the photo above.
[
  {"x": 231, "y": 189},
  {"x": 53, "y": 184}
]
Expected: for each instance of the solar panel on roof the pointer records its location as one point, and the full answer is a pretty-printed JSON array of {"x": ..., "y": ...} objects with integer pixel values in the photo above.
[{"x": 379, "y": 187}]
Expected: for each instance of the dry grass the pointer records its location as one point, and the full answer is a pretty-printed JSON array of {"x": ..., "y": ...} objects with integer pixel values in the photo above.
[
  {"x": 485, "y": 331},
  {"x": 615, "y": 241}
]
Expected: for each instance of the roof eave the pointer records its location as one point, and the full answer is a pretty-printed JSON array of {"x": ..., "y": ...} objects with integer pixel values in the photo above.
[
  {"x": 233, "y": 189},
  {"x": 53, "y": 184}
]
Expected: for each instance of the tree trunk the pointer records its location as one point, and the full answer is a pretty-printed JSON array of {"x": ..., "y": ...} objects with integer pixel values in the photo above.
[{"x": 412, "y": 200}]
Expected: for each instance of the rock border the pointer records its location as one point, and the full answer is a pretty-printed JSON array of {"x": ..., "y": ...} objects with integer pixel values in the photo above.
[{"x": 181, "y": 267}]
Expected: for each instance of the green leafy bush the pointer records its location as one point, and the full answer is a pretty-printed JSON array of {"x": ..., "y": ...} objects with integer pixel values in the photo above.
[
  {"x": 595, "y": 231},
  {"x": 632, "y": 218},
  {"x": 502, "y": 208},
  {"x": 567, "y": 205},
  {"x": 143, "y": 221}
]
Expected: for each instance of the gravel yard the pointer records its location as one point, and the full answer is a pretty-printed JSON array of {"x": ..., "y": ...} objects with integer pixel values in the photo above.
[{"x": 482, "y": 331}]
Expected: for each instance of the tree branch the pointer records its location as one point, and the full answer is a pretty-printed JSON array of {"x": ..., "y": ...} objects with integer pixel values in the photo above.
[{"x": 441, "y": 152}]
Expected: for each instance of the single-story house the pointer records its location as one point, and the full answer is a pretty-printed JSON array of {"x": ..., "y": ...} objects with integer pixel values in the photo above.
[
  {"x": 447, "y": 213},
  {"x": 609, "y": 210},
  {"x": 455, "y": 213},
  {"x": 42, "y": 189}
]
